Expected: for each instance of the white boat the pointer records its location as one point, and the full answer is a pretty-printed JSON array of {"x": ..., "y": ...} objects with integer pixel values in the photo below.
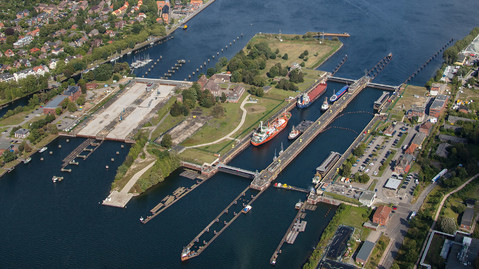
[
  {"x": 325, "y": 105},
  {"x": 246, "y": 209},
  {"x": 27, "y": 160},
  {"x": 56, "y": 179},
  {"x": 42, "y": 149}
]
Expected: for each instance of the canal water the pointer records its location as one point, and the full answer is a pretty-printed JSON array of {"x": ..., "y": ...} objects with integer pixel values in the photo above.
[{"x": 46, "y": 225}]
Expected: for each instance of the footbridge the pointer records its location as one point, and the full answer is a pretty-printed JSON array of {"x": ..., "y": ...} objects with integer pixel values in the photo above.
[{"x": 236, "y": 171}]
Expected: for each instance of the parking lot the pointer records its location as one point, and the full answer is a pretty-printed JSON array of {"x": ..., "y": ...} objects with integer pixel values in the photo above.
[{"x": 378, "y": 151}]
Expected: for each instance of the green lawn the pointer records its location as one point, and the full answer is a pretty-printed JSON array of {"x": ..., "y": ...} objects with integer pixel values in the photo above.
[{"x": 16, "y": 119}]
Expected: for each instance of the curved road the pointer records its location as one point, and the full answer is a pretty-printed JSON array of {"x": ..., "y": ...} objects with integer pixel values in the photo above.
[{"x": 228, "y": 136}]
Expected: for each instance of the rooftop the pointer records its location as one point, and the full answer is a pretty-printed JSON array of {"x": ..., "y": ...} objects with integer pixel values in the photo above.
[
  {"x": 365, "y": 251},
  {"x": 467, "y": 217},
  {"x": 392, "y": 184},
  {"x": 55, "y": 102}
]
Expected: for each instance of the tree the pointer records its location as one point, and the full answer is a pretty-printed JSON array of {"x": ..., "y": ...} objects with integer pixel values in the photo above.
[
  {"x": 296, "y": 76},
  {"x": 211, "y": 71},
  {"x": 346, "y": 170},
  {"x": 58, "y": 111},
  {"x": 218, "y": 111},
  {"x": 285, "y": 56},
  {"x": 447, "y": 225},
  {"x": 223, "y": 97},
  {"x": 166, "y": 141},
  {"x": 8, "y": 156},
  {"x": 82, "y": 84},
  {"x": 71, "y": 107},
  {"x": 176, "y": 109}
]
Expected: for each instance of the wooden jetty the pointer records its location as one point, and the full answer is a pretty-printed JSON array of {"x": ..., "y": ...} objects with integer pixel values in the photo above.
[
  {"x": 70, "y": 159},
  {"x": 216, "y": 220},
  {"x": 189, "y": 174},
  {"x": 169, "y": 200},
  {"x": 294, "y": 229}
]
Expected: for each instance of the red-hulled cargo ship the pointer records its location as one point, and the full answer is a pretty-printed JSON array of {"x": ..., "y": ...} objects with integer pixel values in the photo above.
[
  {"x": 265, "y": 133},
  {"x": 307, "y": 99}
]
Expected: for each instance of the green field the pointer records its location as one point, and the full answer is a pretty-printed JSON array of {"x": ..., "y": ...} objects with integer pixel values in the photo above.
[{"x": 294, "y": 46}]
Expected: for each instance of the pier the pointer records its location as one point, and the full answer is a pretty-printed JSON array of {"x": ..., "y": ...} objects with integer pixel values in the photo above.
[
  {"x": 294, "y": 229},
  {"x": 197, "y": 246},
  {"x": 70, "y": 159}
]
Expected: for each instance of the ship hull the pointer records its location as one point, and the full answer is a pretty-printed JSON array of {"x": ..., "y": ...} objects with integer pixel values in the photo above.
[
  {"x": 286, "y": 118},
  {"x": 313, "y": 95},
  {"x": 338, "y": 95}
]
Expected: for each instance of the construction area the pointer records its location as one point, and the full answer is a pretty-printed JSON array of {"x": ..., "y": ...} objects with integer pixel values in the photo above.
[{"x": 127, "y": 111}]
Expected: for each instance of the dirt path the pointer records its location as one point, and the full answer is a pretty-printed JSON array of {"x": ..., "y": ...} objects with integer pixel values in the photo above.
[
  {"x": 228, "y": 136},
  {"x": 135, "y": 178}
]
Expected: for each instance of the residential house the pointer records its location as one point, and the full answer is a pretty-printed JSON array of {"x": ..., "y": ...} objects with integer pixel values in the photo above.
[
  {"x": 6, "y": 77},
  {"x": 23, "y": 74},
  {"x": 416, "y": 111},
  {"x": 404, "y": 164},
  {"x": 22, "y": 133},
  {"x": 40, "y": 70},
  {"x": 438, "y": 106},
  {"x": 202, "y": 81},
  {"x": 93, "y": 33},
  {"x": 196, "y": 3},
  {"x": 416, "y": 142},
  {"x": 50, "y": 107},
  {"x": 467, "y": 219},
  {"x": 461, "y": 59},
  {"x": 425, "y": 128},
  {"x": 23, "y": 42},
  {"x": 57, "y": 51},
  {"x": 73, "y": 92},
  {"x": 96, "y": 43},
  {"x": 437, "y": 88},
  {"x": 34, "y": 50},
  {"x": 110, "y": 33},
  {"x": 367, "y": 198},
  {"x": 382, "y": 214},
  {"x": 120, "y": 24},
  {"x": 363, "y": 255},
  {"x": 235, "y": 94}
]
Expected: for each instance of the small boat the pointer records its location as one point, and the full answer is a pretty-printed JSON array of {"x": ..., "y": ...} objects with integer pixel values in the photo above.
[
  {"x": 42, "y": 149},
  {"x": 298, "y": 204},
  {"x": 316, "y": 178},
  {"x": 293, "y": 134},
  {"x": 185, "y": 27},
  {"x": 325, "y": 104},
  {"x": 27, "y": 160},
  {"x": 142, "y": 219},
  {"x": 186, "y": 254},
  {"x": 246, "y": 209},
  {"x": 56, "y": 179}
]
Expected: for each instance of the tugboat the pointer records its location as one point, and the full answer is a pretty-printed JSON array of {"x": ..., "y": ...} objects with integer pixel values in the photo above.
[
  {"x": 246, "y": 209},
  {"x": 185, "y": 27},
  {"x": 325, "y": 104},
  {"x": 298, "y": 204},
  {"x": 293, "y": 134}
]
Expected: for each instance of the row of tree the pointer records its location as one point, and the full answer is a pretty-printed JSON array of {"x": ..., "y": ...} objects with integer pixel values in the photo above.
[{"x": 450, "y": 54}]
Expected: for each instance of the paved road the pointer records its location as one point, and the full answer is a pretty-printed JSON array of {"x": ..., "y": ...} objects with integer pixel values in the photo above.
[{"x": 398, "y": 225}]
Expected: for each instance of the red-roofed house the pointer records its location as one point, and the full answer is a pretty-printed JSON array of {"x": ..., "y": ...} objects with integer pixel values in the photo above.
[
  {"x": 34, "y": 50},
  {"x": 9, "y": 53},
  {"x": 381, "y": 216}
]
